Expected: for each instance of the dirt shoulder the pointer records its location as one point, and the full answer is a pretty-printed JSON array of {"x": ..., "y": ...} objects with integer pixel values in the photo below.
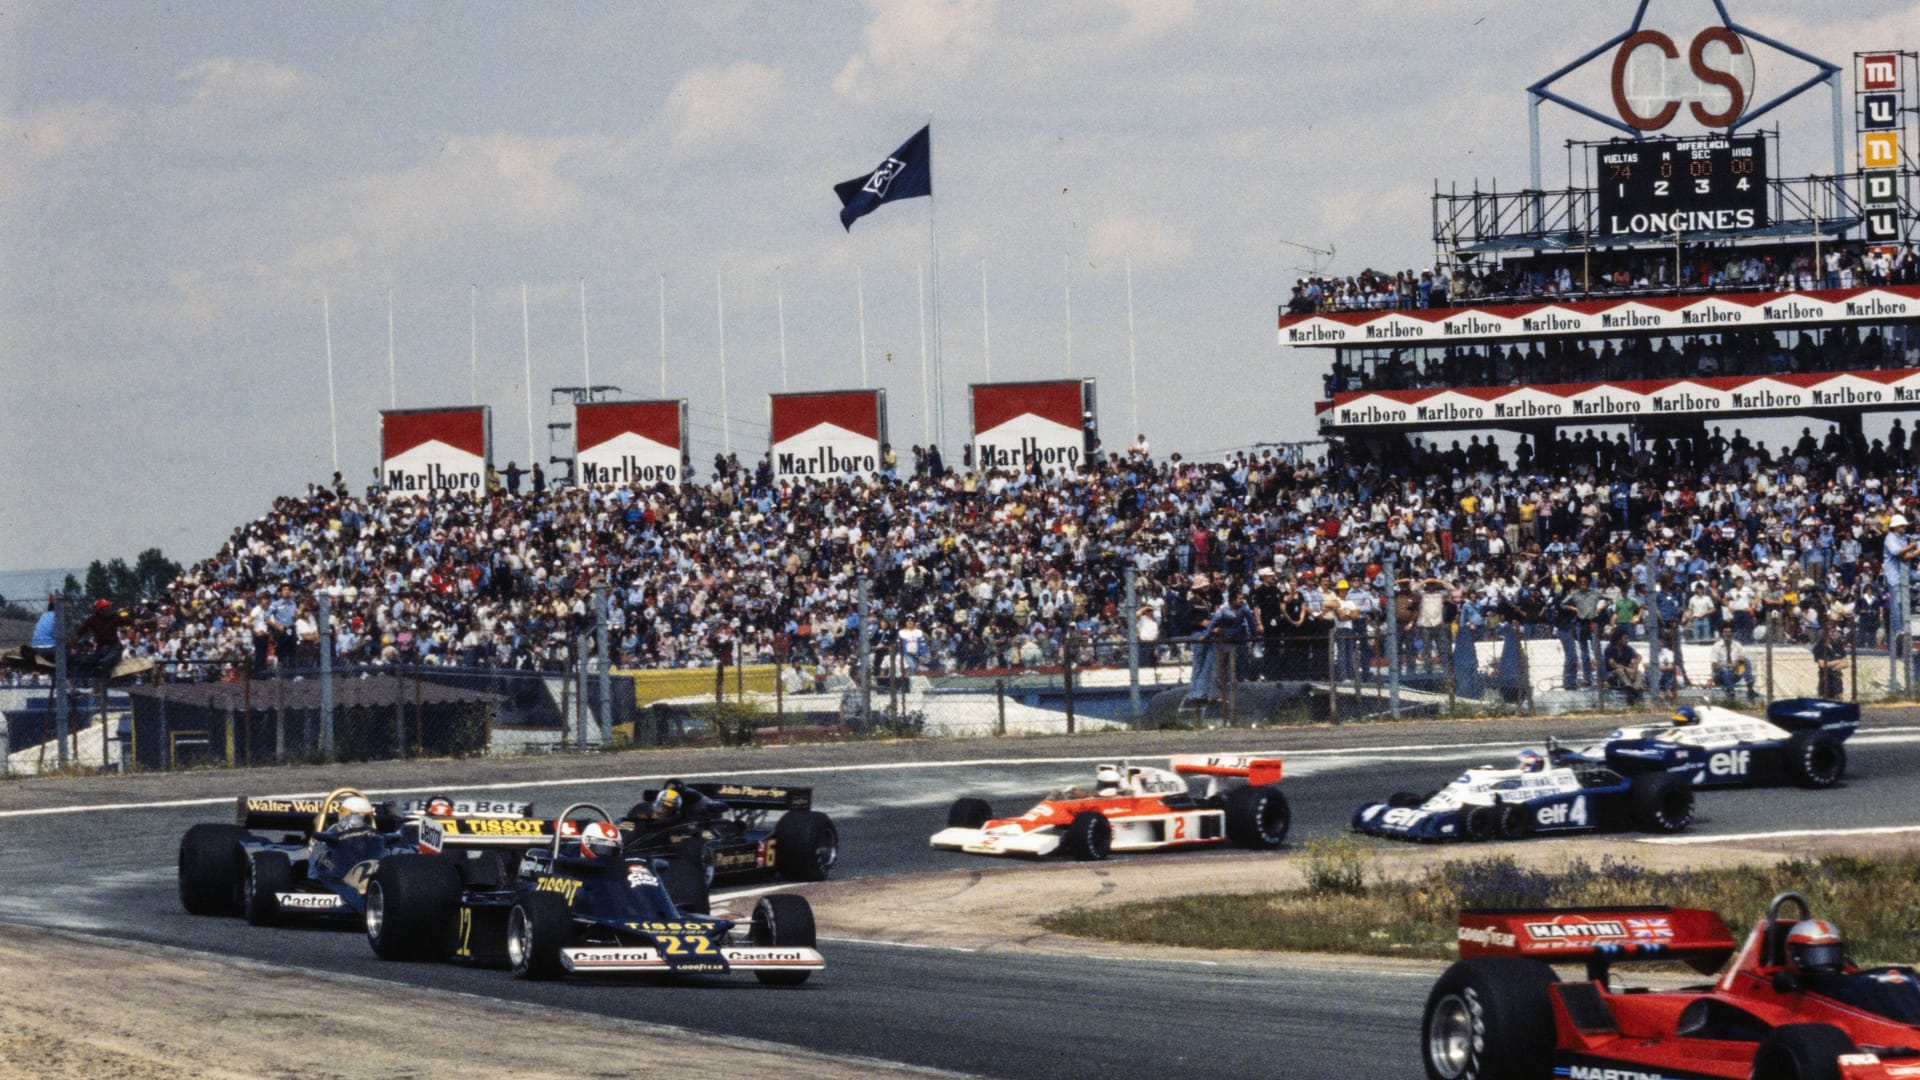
[{"x": 174, "y": 1014}]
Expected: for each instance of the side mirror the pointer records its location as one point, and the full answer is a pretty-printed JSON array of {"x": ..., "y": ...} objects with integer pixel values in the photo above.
[{"x": 1784, "y": 982}]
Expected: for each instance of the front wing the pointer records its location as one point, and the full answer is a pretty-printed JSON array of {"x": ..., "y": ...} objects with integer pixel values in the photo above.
[
  {"x": 643, "y": 959},
  {"x": 1033, "y": 844}
]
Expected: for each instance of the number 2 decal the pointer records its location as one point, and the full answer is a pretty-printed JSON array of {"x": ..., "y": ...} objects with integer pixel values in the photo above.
[{"x": 1180, "y": 828}]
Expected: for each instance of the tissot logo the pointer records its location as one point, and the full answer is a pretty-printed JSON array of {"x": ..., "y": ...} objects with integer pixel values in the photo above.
[{"x": 882, "y": 177}]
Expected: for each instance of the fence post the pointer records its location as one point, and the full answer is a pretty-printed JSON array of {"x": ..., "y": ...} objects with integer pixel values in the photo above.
[
  {"x": 1000, "y": 704},
  {"x": 1133, "y": 644},
  {"x": 1390, "y": 608},
  {"x": 1067, "y": 673},
  {"x": 580, "y": 710},
  {"x": 399, "y": 710},
  {"x": 1333, "y": 675},
  {"x": 326, "y": 677},
  {"x": 1773, "y": 630},
  {"x": 279, "y": 715},
  {"x": 1228, "y": 700},
  {"x": 61, "y": 687},
  {"x": 605, "y": 666},
  {"x": 1853, "y": 668},
  {"x": 866, "y": 654}
]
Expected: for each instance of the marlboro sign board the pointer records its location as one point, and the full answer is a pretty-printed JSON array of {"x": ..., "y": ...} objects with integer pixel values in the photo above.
[
  {"x": 630, "y": 443},
  {"x": 838, "y": 433},
  {"x": 445, "y": 451},
  {"x": 1023, "y": 424}
]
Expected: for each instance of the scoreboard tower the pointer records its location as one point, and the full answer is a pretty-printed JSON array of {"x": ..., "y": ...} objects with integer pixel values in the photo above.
[{"x": 1675, "y": 284}]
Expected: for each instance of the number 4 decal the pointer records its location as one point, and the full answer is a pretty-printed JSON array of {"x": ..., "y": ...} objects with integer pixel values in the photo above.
[{"x": 1578, "y": 815}]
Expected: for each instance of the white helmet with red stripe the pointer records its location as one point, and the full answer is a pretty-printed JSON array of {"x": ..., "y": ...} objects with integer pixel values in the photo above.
[{"x": 1816, "y": 945}]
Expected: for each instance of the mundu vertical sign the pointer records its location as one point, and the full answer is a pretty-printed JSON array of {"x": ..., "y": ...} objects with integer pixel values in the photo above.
[
  {"x": 1044, "y": 425},
  {"x": 429, "y": 451},
  {"x": 838, "y": 433},
  {"x": 630, "y": 443}
]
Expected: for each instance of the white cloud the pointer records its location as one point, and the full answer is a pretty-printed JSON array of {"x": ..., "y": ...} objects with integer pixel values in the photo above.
[
  {"x": 61, "y": 130},
  {"x": 1149, "y": 243},
  {"x": 922, "y": 43},
  {"x": 716, "y": 107},
  {"x": 230, "y": 94}
]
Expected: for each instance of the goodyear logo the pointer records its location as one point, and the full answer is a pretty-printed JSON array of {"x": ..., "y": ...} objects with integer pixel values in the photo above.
[{"x": 566, "y": 887}]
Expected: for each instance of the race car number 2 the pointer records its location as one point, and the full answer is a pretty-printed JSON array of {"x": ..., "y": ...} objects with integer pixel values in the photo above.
[{"x": 685, "y": 944}]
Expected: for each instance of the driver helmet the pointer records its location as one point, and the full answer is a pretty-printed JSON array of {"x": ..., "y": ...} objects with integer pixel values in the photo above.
[
  {"x": 599, "y": 840},
  {"x": 439, "y": 807},
  {"x": 1685, "y": 716},
  {"x": 1107, "y": 780},
  {"x": 667, "y": 803},
  {"x": 1815, "y": 945},
  {"x": 1532, "y": 761},
  {"x": 102, "y": 605},
  {"x": 353, "y": 811}
]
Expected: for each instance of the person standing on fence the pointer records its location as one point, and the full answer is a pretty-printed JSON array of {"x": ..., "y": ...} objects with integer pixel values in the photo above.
[
  {"x": 46, "y": 637},
  {"x": 1900, "y": 552},
  {"x": 257, "y": 628},
  {"x": 282, "y": 614},
  {"x": 1430, "y": 646},
  {"x": 1830, "y": 652},
  {"x": 1146, "y": 631}
]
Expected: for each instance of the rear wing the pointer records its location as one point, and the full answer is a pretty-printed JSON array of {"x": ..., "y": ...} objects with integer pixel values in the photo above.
[
  {"x": 1256, "y": 770},
  {"x": 1813, "y": 714},
  {"x": 1599, "y": 936},
  {"x": 755, "y": 796},
  {"x": 462, "y": 833},
  {"x": 277, "y": 812}
]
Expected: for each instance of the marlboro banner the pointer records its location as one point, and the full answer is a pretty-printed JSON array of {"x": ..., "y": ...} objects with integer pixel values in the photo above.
[
  {"x": 838, "y": 433},
  {"x": 1609, "y": 402},
  {"x": 1017, "y": 425},
  {"x": 630, "y": 443},
  {"x": 443, "y": 451},
  {"x": 1645, "y": 314}
]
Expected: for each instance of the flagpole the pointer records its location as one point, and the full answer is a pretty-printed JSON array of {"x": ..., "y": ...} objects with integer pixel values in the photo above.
[
  {"x": 393, "y": 395},
  {"x": 473, "y": 344},
  {"x": 663, "y": 335},
  {"x": 720, "y": 307},
  {"x": 526, "y": 347},
  {"x": 780, "y": 296},
  {"x": 333, "y": 416},
  {"x": 1133, "y": 363},
  {"x": 1066, "y": 283},
  {"x": 586, "y": 362},
  {"x": 939, "y": 358},
  {"x": 860, "y": 290},
  {"x": 986, "y": 334},
  {"x": 926, "y": 412}
]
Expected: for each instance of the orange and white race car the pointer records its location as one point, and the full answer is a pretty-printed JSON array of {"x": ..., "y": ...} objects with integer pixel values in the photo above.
[{"x": 1135, "y": 808}]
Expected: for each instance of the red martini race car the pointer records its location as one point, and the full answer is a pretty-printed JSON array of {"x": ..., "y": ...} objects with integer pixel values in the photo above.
[
  {"x": 1134, "y": 808},
  {"x": 1790, "y": 1006}
]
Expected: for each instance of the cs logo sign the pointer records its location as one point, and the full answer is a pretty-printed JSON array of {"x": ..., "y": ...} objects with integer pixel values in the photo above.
[{"x": 1653, "y": 78}]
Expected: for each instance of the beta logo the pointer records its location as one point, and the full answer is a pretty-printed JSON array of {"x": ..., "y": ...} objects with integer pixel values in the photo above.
[{"x": 1730, "y": 763}]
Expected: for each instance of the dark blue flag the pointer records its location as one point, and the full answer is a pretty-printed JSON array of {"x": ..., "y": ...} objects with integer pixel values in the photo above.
[{"x": 905, "y": 175}]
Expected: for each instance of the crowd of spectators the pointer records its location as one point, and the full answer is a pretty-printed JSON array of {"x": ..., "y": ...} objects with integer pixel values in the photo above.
[
  {"x": 1583, "y": 275},
  {"x": 967, "y": 572},
  {"x": 1675, "y": 356}
]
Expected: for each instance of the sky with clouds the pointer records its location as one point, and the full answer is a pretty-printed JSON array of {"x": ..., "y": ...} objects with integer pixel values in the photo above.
[{"x": 186, "y": 187}]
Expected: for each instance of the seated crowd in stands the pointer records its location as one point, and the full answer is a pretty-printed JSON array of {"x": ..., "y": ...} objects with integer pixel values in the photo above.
[
  {"x": 1602, "y": 273},
  {"x": 972, "y": 573}
]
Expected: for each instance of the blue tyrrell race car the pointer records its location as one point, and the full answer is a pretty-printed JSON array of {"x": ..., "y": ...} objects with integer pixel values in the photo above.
[{"x": 1555, "y": 793}]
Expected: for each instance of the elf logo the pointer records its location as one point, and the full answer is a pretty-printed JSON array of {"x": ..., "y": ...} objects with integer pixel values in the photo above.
[
  {"x": 1566, "y": 813},
  {"x": 1730, "y": 763}
]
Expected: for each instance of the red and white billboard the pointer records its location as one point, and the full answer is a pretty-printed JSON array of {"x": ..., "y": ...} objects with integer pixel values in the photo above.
[
  {"x": 836, "y": 433},
  {"x": 1625, "y": 401},
  {"x": 1023, "y": 424},
  {"x": 630, "y": 443},
  {"x": 447, "y": 451},
  {"x": 1648, "y": 314}
]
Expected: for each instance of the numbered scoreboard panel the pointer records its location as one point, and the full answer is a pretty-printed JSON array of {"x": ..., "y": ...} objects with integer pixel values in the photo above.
[{"x": 1659, "y": 187}]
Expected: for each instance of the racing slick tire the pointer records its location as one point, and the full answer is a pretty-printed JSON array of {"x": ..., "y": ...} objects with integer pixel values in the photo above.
[
  {"x": 1090, "y": 837},
  {"x": 537, "y": 929},
  {"x": 1489, "y": 1018},
  {"x": 1404, "y": 800},
  {"x": 1801, "y": 1052},
  {"x": 1661, "y": 802},
  {"x": 782, "y": 920},
  {"x": 1482, "y": 824},
  {"x": 806, "y": 845},
  {"x": 268, "y": 874},
  {"x": 1258, "y": 817},
  {"x": 1510, "y": 821},
  {"x": 686, "y": 886},
  {"x": 484, "y": 871},
  {"x": 411, "y": 903},
  {"x": 211, "y": 864},
  {"x": 1816, "y": 759},
  {"x": 968, "y": 813}
]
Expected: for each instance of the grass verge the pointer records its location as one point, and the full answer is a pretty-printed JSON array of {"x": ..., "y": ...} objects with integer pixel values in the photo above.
[{"x": 1346, "y": 909}]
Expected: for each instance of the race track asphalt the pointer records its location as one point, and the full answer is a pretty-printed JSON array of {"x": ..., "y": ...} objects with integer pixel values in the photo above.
[{"x": 110, "y": 871}]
